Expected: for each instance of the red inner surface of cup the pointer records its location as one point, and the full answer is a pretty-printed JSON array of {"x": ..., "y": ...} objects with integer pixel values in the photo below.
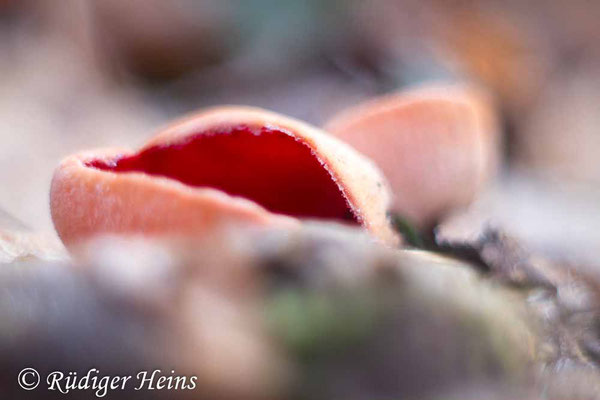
[{"x": 265, "y": 165}]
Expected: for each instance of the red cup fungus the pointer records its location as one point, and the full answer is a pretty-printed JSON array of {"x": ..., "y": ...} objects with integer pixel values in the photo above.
[
  {"x": 436, "y": 145},
  {"x": 227, "y": 165}
]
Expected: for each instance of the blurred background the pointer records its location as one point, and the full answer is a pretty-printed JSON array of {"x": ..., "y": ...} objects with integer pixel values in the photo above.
[{"x": 80, "y": 73}]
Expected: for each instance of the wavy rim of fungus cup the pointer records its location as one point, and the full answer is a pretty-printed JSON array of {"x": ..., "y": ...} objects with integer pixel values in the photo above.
[{"x": 225, "y": 165}]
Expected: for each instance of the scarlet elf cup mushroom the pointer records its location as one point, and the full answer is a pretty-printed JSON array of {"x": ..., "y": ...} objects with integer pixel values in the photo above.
[
  {"x": 437, "y": 145},
  {"x": 227, "y": 165}
]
